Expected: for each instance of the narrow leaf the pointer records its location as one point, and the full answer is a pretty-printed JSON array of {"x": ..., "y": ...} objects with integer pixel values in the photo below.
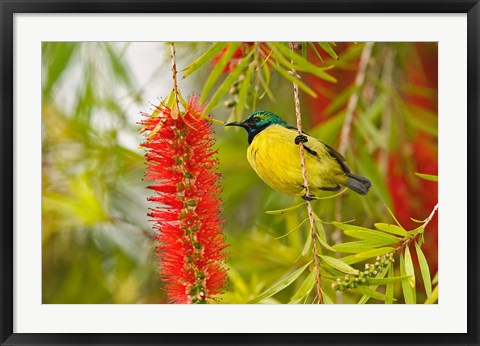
[
  {"x": 422, "y": 261},
  {"x": 279, "y": 286},
  {"x": 407, "y": 289},
  {"x": 428, "y": 177},
  {"x": 339, "y": 265},
  {"x": 409, "y": 269},
  {"x": 384, "y": 281},
  {"x": 308, "y": 245},
  {"x": 292, "y": 79},
  {"x": 118, "y": 67},
  {"x": 393, "y": 229},
  {"x": 326, "y": 298},
  {"x": 372, "y": 235},
  {"x": 306, "y": 287},
  {"x": 362, "y": 256},
  {"x": 326, "y": 47},
  {"x": 286, "y": 210},
  {"x": 390, "y": 286},
  {"x": 312, "y": 46},
  {"x": 380, "y": 275},
  {"x": 301, "y": 63},
  {"x": 227, "y": 83},
  {"x": 322, "y": 238},
  {"x": 433, "y": 297},
  {"x": 243, "y": 92},
  {"x": 346, "y": 226},
  {"x": 325, "y": 244},
  {"x": 369, "y": 292},
  {"x": 358, "y": 246},
  {"x": 206, "y": 57},
  {"x": 58, "y": 57},
  {"x": 218, "y": 69}
]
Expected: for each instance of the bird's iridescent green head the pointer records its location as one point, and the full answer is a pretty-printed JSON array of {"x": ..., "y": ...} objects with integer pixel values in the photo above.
[{"x": 257, "y": 122}]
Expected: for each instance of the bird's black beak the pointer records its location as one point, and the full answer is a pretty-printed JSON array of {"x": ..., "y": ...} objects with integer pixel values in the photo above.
[{"x": 235, "y": 123}]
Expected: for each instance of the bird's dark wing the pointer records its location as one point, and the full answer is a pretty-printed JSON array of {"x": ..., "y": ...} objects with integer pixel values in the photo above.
[
  {"x": 332, "y": 152},
  {"x": 339, "y": 157}
]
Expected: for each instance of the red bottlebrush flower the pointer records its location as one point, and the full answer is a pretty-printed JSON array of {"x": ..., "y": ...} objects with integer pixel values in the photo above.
[{"x": 180, "y": 161}]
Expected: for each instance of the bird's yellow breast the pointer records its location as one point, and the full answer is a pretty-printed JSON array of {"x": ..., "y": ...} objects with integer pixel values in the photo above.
[{"x": 275, "y": 157}]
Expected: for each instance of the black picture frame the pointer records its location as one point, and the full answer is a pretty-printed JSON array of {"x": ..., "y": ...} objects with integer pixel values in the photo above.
[{"x": 7, "y": 10}]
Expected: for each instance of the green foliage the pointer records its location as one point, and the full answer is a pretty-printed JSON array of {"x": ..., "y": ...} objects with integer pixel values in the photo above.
[{"x": 282, "y": 284}]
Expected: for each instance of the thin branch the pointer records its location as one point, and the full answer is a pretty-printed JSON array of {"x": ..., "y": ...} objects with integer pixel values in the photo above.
[
  {"x": 305, "y": 183},
  {"x": 430, "y": 217},
  {"x": 347, "y": 124},
  {"x": 387, "y": 80},
  {"x": 353, "y": 101},
  {"x": 175, "y": 108},
  {"x": 425, "y": 223}
]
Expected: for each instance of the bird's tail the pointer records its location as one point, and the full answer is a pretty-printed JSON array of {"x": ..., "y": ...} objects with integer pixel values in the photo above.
[{"x": 358, "y": 183}]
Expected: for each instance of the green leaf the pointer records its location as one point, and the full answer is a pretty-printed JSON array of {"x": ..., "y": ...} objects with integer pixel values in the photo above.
[
  {"x": 422, "y": 119},
  {"x": 279, "y": 286},
  {"x": 362, "y": 256},
  {"x": 359, "y": 246},
  {"x": 435, "y": 279},
  {"x": 372, "y": 235},
  {"x": 312, "y": 46},
  {"x": 308, "y": 244},
  {"x": 321, "y": 236},
  {"x": 57, "y": 59},
  {"x": 380, "y": 275},
  {"x": 384, "y": 281},
  {"x": 218, "y": 69},
  {"x": 409, "y": 269},
  {"x": 243, "y": 92},
  {"x": 433, "y": 297},
  {"x": 393, "y": 229},
  {"x": 227, "y": 83},
  {"x": 294, "y": 229},
  {"x": 422, "y": 261},
  {"x": 265, "y": 81},
  {"x": 118, "y": 67},
  {"x": 406, "y": 287},
  {"x": 339, "y": 265},
  {"x": 295, "y": 80},
  {"x": 301, "y": 64},
  {"x": 306, "y": 287},
  {"x": 326, "y": 47},
  {"x": 325, "y": 244},
  {"x": 369, "y": 292},
  {"x": 346, "y": 226},
  {"x": 206, "y": 57},
  {"x": 390, "y": 286},
  {"x": 370, "y": 169},
  {"x": 428, "y": 177},
  {"x": 374, "y": 137},
  {"x": 285, "y": 210},
  {"x": 340, "y": 100},
  {"x": 326, "y": 298}
]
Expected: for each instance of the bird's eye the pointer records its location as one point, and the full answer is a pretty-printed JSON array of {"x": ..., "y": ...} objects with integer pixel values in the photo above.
[{"x": 256, "y": 119}]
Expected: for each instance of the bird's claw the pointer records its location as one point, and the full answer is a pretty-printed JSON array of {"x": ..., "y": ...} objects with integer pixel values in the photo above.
[
  {"x": 301, "y": 138},
  {"x": 308, "y": 197}
]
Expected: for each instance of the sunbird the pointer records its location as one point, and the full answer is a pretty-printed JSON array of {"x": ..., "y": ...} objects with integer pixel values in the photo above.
[{"x": 274, "y": 155}]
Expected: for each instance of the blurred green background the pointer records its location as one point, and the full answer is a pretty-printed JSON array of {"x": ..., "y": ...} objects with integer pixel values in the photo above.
[{"x": 97, "y": 240}]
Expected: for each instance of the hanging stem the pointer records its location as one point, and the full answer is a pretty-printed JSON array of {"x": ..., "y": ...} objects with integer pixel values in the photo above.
[
  {"x": 175, "y": 108},
  {"x": 353, "y": 101},
  {"x": 347, "y": 123},
  {"x": 305, "y": 183}
]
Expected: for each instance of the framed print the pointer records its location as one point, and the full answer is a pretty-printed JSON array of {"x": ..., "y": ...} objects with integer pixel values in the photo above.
[{"x": 241, "y": 172}]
